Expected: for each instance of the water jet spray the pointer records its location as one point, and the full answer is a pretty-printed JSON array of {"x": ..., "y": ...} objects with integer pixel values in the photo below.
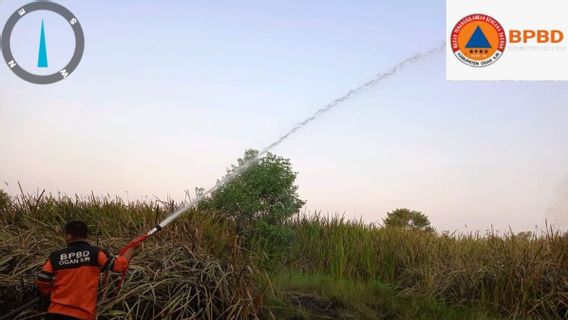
[{"x": 244, "y": 166}]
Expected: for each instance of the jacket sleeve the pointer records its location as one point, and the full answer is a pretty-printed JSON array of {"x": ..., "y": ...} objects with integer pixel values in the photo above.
[
  {"x": 45, "y": 279},
  {"x": 108, "y": 262}
]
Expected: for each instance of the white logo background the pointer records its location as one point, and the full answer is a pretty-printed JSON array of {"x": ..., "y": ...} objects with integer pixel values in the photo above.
[{"x": 520, "y": 61}]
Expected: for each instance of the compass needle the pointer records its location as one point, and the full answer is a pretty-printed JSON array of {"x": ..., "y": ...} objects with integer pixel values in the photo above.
[{"x": 42, "y": 58}]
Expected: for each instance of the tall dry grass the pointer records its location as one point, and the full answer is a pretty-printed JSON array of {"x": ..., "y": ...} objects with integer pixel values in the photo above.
[
  {"x": 517, "y": 276},
  {"x": 194, "y": 269}
]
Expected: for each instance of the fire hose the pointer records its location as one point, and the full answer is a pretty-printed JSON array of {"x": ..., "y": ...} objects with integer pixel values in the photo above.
[{"x": 174, "y": 215}]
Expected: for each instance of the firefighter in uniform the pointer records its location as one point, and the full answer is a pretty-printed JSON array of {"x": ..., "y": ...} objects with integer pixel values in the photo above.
[{"x": 70, "y": 277}]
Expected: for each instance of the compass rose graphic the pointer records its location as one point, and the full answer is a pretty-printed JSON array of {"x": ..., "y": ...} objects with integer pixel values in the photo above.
[{"x": 43, "y": 61}]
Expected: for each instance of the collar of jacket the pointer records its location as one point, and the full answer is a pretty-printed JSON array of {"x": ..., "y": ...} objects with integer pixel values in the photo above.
[{"x": 77, "y": 242}]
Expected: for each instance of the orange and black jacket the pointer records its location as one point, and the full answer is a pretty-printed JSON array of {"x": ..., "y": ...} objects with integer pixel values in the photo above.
[{"x": 70, "y": 278}]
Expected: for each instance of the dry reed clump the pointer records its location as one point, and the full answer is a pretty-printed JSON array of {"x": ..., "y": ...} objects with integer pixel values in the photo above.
[
  {"x": 193, "y": 270},
  {"x": 173, "y": 282},
  {"x": 517, "y": 276}
]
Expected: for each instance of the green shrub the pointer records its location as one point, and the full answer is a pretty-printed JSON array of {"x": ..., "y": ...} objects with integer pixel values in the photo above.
[
  {"x": 260, "y": 200},
  {"x": 408, "y": 219},
  {"x": 265, "y": 191}
]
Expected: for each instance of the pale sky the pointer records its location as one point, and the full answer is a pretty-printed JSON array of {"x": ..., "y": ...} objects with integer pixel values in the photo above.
[{"x": 170, "y": 93}]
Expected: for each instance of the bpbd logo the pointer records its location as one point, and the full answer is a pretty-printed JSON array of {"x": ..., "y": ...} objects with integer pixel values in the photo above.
[
  {"x": 479, "y": 40},
  {"x": 18, "y": 60}
]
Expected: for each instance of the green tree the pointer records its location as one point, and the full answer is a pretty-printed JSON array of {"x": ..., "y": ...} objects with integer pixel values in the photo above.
[
  {"x": 266, "y": 191},
  {"x": 408, "y": 219},
  {"x": 260, "y": 200}
]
